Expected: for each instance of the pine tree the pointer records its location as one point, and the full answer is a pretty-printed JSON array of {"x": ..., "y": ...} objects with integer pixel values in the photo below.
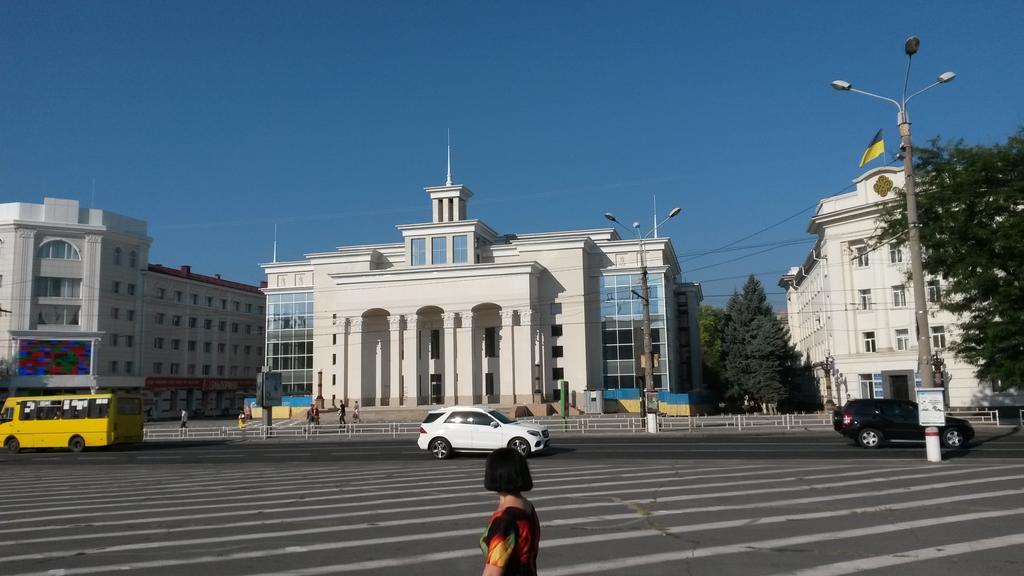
[{"x": 756, "y": 352}]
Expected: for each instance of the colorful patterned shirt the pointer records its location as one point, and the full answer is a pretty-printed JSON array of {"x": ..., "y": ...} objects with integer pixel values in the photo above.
[{"x": 511, "y": 541}]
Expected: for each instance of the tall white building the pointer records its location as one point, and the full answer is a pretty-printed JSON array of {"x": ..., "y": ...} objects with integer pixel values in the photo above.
[
  {"x": 457, "y": 312},
  {"x": 84, "y": 310},
  {"x": 851, "y": 301},
  {"x": 69, "y": 276}
]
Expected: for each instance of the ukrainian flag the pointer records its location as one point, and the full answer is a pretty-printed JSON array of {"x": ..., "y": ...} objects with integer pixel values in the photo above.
[{"x": 875, "y": 149}]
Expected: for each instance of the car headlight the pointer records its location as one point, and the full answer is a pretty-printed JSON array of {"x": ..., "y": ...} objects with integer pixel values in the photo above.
[{"x": 533, "y": 433}]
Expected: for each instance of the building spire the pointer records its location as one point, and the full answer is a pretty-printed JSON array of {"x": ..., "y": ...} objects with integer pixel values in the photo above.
[
  {"x": 448, "y": 182},
  {"x": 275, "y": 242}
]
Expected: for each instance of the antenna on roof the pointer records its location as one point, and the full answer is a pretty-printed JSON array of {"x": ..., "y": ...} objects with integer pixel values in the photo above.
[
  {"x": 448, "y": 182},
  {"x": 275, "y": 243},
  {"x": 92, "y": 200},
  {"x": 655, "y": 215}
]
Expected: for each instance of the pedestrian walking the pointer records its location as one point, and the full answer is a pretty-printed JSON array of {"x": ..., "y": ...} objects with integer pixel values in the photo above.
[
  {"x": 316, "y": 415},
  {"x": 512, "y": 538},
  {"x": 341, "y": 414},
  {"x": 184, "y": 421},
  {"x": 355, "y": 414}
]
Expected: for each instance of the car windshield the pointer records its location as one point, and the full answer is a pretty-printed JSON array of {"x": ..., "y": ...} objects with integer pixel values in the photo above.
[{"x": 501, "y": 417}]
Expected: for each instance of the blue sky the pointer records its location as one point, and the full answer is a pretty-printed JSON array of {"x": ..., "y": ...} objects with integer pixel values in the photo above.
[{"x": 215, "y": 120}]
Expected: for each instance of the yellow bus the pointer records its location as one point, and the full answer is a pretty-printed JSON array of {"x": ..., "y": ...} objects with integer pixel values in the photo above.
[{"x": 72, "y": 421}]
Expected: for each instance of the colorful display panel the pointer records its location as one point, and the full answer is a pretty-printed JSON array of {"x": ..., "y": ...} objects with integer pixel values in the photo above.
[{"x": 50, "y": 357}]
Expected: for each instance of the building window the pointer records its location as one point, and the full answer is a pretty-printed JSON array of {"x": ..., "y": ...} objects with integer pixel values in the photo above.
[
  {"x": 131, "y": 289},
  {"x": 435, "y": 344},
  {"x": 178, "y": 295},
  {"x": 899, "y": 296},
  {"x": 209, "y": 301},
  {"x": 208, "y": 324},
  {"x": 490, "y": 342},
  {"x": 869, "y": 342},
  {"x": 865, "y": 299},
  {"x": 195, "y": 299},
  {"x": 557, "y": 374},
  {"x": 57, "y": 315},
  {"x": 489, "y": 383},
  {"x": 938, "y": 337},
  {"x": 158, "y": 367},
  {"x": 234, "y": 349},
  {"x": 206, "y": 369},
  {"x": 130, "y": 315},
  {"x": 895, "y": 254},
  {"x": 192, "y": 321},
  {"x": 419, "y": 251},
  {"x": 175, "y": 320},
  {"x": 556, "y": 330},
  {"x": 621, "y": 334},
  {"x": 237, "y": 305},
  {"x": 903, "y": 340},
  {"x": 129, "y": 340},
  {"x": 863, "y": 257},
  {"x": 175, "y": 344},
  {"x": 557, "y": 351},
  {"x": 222, "y": 326},
  {"x": 115, "y": 313},
  {"x": 158, "y": 343},
  {"x": 117, "y": 256},
  {"x": 221, "y": 348},
  {"x": 207, "y": 347},
  {"x": 248, "y": 328},
  {"x": 133, "y": 259},
  {"x": 220, "y": 370},
  {"x": 161, "y": 293},
  {"x": 234, "y": 327},
  {"x": 175, "y": 368},
  {"x": 113, "y": 339},
  {"x": 248, "y": 349},
  {"x": 866, "y": 385},
  {"x": 934, "y": 291},
  {"x": 58, "y": 287},
  {"x": 159, "y": 317},
  {"x": 129, "y": 367},
  {"x": 116, "y": 287},
  {"x": 248, "y": 308},
  {"x": 334, "y": 359},
  {"x": 59, "y": 250},
  {"x": 191, "y": 369},
  {"x": 438, "y": 250},
  {"x": 290, "y": 324},
  {"x": 460, "y": 249},
  {"x": 223, "y": 304},
  {"x": 334, "y": 339},
  {"x": 113, "y": 366},
  {"x": 191, "y": 345}
]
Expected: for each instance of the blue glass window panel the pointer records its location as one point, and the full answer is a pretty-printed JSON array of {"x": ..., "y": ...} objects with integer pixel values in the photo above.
[
  {"x": 460, "y": 253},
  {"x": 419, "y": 251},
  {"x": 438, "y": 250}
]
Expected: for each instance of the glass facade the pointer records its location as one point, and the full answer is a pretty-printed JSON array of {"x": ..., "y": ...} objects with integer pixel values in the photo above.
[
  {"x": 290, "y": 340},
  {"x": 622, "y": 331},
  {"x": 460, "y": 252}
]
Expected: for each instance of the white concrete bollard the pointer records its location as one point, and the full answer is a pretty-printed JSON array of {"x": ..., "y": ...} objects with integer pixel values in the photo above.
[
  {"x": 652, "y": 423},
  {"x": 931, "y": 444}
]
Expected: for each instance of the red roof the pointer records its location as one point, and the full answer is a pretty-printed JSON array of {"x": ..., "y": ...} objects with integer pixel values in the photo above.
[{"x": 186, "y": 272}]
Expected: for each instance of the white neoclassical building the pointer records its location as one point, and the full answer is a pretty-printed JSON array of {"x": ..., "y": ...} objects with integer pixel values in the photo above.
[
  {"x": 457, "y": 312},
  {"x": 851, "y": 300}
]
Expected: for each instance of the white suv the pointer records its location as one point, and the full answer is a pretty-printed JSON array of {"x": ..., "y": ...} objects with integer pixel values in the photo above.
[{"x": 473, "y": 429}]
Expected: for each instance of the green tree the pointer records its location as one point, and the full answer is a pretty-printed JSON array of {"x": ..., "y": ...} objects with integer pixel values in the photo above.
[
  {"x": 971, "y": 212},
  {"x": 711, "y": 320},
  {"x": 756, "y": 352}
]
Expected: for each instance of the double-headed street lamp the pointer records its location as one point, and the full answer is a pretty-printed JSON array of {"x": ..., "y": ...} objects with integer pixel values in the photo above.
[
  {"x": 924, "y": 352},
  {"x": 645, "y": 298}
]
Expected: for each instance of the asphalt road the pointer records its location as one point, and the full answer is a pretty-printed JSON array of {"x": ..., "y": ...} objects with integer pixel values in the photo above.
[{"x": 767, "y": 504}]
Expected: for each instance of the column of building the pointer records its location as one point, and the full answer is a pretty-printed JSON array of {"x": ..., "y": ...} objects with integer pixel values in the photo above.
[
  {"x": 395, "y": 361},
  {"x": 466, "y": 380},
  {"x": 449, "y": 320},
  {"x": 506, "y": 388},
  {"x": 353, "y": 358},
  {"x": 410, "y": 376},
  {"x": 526, "y": 354}
]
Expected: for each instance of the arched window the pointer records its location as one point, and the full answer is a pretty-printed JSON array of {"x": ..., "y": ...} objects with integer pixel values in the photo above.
[
  {"x": 133, "y": 259},
  {"x": 117, "y": 256},
  {"x": 59, "y": 250}
]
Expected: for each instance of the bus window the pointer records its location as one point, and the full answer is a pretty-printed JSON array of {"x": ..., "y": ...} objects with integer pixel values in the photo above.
[
  {"x": 129, "y": 406},
  {"x": 28, "y": 410},
  {"x": 75, "y": 409},
  {"x": 98, "y": 407},
  {"x": 48, "y": 410},
  {"x": 7, "y": 414}
]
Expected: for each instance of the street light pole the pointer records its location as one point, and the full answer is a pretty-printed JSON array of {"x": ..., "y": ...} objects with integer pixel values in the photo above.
[
  {"x": 645, "y": 297},
  {"x": 924, "y": 352}
]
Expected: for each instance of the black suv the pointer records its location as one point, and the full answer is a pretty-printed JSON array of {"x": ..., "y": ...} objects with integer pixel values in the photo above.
[{"x": 874, "y": 422}]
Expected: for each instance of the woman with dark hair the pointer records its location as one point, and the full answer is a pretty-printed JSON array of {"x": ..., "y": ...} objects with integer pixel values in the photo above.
[{"x": 512, "y": 538}]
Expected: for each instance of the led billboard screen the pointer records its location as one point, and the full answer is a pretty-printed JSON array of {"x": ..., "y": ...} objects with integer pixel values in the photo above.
[{"x": 47, "y": 357}]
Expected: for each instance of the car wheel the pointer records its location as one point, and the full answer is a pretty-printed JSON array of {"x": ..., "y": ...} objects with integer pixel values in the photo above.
[
  {"x": 870, "y": 438},
  {"x": 440, "y": 448},
  {"x": 520, "y": 445},
  {"x": 953, "y": 438},
  {"x": 12, "y": 445},
  {"x": 76, "y": 444}
]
